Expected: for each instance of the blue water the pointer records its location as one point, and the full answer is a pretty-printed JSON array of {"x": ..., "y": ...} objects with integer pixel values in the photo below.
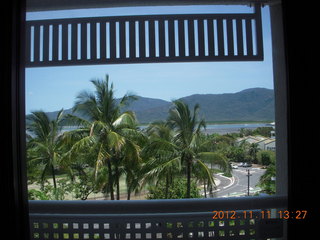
[
  {"x": 211, "y": 128},
  {"x": 237, "y": 125},
  {"x": 229, "y": 128}
]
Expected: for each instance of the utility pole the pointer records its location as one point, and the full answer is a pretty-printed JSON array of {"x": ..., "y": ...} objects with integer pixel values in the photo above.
[{"x": 248, "y": 175}]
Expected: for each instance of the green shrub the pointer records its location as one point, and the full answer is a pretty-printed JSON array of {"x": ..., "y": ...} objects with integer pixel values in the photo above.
[
  {"x": 266, "y": 157},
  {"x": 177, "y": 190}
]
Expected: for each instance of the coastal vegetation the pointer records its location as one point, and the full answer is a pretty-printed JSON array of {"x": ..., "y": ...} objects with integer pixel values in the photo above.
[{"x": 105, "y": 151}]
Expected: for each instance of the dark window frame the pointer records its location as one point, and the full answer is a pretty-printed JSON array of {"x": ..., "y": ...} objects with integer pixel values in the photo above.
[{"x": 12, "y": 80}]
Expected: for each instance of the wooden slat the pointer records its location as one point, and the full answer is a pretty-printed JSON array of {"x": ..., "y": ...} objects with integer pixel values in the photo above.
[
  {"x": 132, "y": 39},
  {"x": 64, "y": 42},
  {"x": 171, "y": 38},
  {"x": 152, "y": 48},
  {"x": 182, "y": 40},
  {"x": 36, "y": 45},
  {"x": 113, "y": 46},
  {"x": 211, "y": 43},
  {"x": 162, "y": 47},
  {"x": 201, "y": 38},
  {"x": 258, "y": 30},
  {"x": 230, "y": 37},
  {"x": 55, "y": 42},
  {"x": 122, "y": 37},
  {"x": 45, "y": 50},
  {"x": 249, "y": 37},
  {"x": 83, "y": 45},
  {"x": 93, "y": 40},
  {"x": 239, "y": 37},
  {"x": 103, "y": 40},
  {"x": 191, "y": 38},
  {"x": 74, "y": 41},
  {"x": 220, "y": 37},
  {"x": 142, "y": 40}
]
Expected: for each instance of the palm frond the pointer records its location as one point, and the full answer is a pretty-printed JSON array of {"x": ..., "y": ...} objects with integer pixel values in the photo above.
[
  {"x": 115, "y": 140},
  {"x": 156, "y": 169},
  {"x": 86, "y": 105},
  {"x": 127, "y": 99},
  {"x": 73, "y": 120},
  {"x": 83, "y": 144},
  {"x": 102, "y": 156},
  {"x": 216, "y": 159},
  {"x": 207, "y": 171},
  {"x": 159, "y": 145},
  {"x": 39, "y": 124},
  {"x": 126, "y": 119}
]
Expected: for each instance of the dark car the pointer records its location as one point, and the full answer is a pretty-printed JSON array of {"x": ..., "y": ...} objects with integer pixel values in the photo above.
[{"x": 247, "y": 165}]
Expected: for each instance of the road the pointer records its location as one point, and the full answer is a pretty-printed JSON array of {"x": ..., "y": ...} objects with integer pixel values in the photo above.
[{"x": 238, "y": 184}]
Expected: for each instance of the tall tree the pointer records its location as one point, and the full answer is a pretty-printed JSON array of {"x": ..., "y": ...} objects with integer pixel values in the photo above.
[
  {"x": 253, "y": 151},
  {"x": 44, "y": 144},
  {"x": 187, "y": 139},
  {"x": 108, "y": 129},
  {"x": 163, "y": 161}
]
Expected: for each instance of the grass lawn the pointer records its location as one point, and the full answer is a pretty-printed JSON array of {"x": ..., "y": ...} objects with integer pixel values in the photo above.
[{"x": 99, "y": 196}]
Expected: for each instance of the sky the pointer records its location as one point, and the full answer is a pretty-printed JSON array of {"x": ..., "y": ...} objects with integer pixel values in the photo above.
[{"x": 53, "y": 88}]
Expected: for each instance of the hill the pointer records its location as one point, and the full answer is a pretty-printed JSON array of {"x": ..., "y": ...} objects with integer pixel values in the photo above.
[{"x": 254, "y": 104}]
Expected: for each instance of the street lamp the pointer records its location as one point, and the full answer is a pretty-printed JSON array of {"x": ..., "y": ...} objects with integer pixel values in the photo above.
[{"x": 248, "y": 175}]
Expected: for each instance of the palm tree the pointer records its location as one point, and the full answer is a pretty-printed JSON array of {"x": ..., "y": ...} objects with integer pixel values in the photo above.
[
  {"x": 253, "y": 150},
  {"x": 187, "y": 140},
  {"x": 45, "y": 145},
  {"x": 161, "y": 155},
  {"x": 267, "y": 180},
  {"x": 106, "y": 129}
]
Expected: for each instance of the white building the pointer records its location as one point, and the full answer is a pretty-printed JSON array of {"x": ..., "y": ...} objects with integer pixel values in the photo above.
[
  {"x": 262, "y": 142},
  {"x": 270, "y": 144}
]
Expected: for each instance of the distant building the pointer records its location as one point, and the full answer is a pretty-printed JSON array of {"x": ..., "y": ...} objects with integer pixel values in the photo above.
[
  {"x": 262, "y": 142},
  {"x": 270, "y": 144},
  {"x": 273, "y": 133},
  {"x": 250, "y": 139}
]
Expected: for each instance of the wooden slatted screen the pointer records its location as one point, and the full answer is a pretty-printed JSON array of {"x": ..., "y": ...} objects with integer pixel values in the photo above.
[{"x": 144, "y": 39}]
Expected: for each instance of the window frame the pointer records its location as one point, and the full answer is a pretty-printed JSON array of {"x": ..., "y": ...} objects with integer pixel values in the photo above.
[{"x": 13, "y": 75}]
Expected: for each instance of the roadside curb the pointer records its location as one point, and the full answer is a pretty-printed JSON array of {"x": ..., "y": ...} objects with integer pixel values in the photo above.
[{"x": 232, "y": 179}]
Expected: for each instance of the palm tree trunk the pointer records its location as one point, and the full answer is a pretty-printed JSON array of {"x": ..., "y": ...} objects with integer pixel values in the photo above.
[
  {"x": 167, "y": 186},
  {"x": 188, "y": 177},
  {"x": 210, "y": 191},
  {"x": 204, "y": 189},
  {"x": 110, "y": 180},
  {"x": 53, "y": 177},
  {"x": 117, "y": 178},
  {"x": 128, "y": 192}
]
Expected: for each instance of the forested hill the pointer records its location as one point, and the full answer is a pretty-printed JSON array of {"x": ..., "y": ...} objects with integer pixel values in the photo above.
[{"x": 254, "y": 104}]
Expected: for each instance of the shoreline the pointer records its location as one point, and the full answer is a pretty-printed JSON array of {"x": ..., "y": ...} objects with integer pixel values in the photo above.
[{"x": 226, "y": 122}]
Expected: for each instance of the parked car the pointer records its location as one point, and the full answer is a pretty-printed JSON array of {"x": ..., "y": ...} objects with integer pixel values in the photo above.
[
  {"x": 234, "y": 166},
  {"x": 240, "y": 164},
  {"x": 247, "y": 165}
]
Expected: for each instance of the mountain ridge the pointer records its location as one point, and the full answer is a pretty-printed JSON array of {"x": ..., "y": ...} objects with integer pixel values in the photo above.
[{"x": 253, "y": 104}]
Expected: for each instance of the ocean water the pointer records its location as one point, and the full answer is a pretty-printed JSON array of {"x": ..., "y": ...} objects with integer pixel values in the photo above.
[
  {"x": 233, "y": 127},
  {"x": 228, "y": 127}
]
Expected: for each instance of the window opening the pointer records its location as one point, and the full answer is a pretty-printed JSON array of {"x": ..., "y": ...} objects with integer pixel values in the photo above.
[{"x": 163, "y": 38}]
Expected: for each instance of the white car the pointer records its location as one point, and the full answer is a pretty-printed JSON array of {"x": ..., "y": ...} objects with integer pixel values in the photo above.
[{"x": 233, "y": 166}]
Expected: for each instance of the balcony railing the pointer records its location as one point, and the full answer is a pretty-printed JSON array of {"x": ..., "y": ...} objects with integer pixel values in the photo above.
[{"x": 235, "y": 218}]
